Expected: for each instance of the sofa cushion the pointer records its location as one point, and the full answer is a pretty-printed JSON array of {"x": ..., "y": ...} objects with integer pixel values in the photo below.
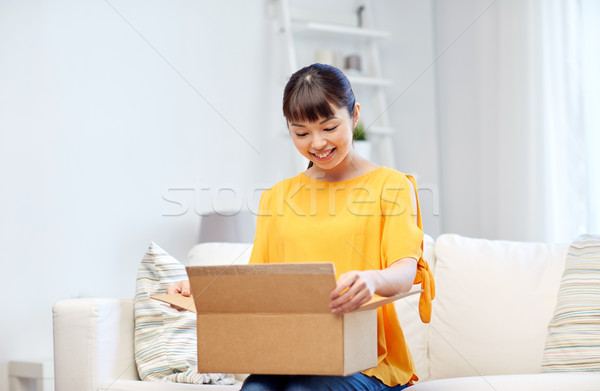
[
  {"x": 415, "y": 331},
  {"x": 494, "y": 300},
  {"x": 93, "y": 343},
  {"x": 165, "y": 339},
  {"x": 130, "y": 385},
  {"x": 531, "y": 382},
  {"x": 573, "y": 341}
]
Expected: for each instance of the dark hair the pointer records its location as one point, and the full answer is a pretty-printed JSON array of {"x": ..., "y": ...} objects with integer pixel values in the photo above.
[{"x": 312, "y": 91}]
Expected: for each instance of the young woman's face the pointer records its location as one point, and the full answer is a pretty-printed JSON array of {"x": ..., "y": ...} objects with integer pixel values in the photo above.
[{"x": 327, "y": 141}]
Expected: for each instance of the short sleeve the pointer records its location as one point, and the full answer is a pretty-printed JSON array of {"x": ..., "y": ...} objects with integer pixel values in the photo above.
[
  {"x": 401, "y": 236},
  {"x": 260, "y": 249}
]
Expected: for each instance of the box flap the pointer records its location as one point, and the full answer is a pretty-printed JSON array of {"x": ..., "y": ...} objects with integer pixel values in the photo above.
[
  {"x": 262, "y": 288},
  {"x": 378, "y": 301},
  {"x": 300, "y": 304},
  {"x": 184, "y": 302}
]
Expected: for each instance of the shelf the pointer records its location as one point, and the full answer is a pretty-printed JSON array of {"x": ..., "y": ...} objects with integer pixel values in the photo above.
[
  {"x": 339, "y": 29},
  {"x": 369, "y": 81}
]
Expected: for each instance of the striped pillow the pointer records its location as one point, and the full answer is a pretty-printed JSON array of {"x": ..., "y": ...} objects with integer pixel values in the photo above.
[
  {"x": 165, "y": 339},
  {"x": 573, "y": 340}
]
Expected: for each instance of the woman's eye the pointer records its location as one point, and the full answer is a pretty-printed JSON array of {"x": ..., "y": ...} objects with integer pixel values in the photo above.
[
  {"x": 301, "y": 134},
  {"x": 330, "y": 129}
]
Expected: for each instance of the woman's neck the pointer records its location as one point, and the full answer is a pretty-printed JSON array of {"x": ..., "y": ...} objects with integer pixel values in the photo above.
[{"x": 352, "y": 166}]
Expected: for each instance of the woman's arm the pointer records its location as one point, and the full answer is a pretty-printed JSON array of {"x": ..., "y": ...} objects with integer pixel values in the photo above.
[{"x": 355, "y": 288}]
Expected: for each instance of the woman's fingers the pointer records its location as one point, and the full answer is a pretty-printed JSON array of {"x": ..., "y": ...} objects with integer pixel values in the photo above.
[
  {"x": 181, "y": 287},
  {"x": 173, "y": 289},
  {"x": 352, "y": 303},
  {"x": 345, "y": 281},
  {"x": 185, "y": 287},
  {"x": 351, "y": 291},
  {"x": 346, "y": 292}
]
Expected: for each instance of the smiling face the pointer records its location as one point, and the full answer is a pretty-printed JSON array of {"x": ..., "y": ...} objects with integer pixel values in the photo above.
[{"x": 327, "y": 142}]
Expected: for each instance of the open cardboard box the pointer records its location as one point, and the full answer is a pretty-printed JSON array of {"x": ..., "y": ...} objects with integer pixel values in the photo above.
[{"x": 275, "y": 319}]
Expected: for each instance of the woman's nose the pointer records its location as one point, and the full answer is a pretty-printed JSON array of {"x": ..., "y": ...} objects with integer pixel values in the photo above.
[{"x": 318, "y": 142}]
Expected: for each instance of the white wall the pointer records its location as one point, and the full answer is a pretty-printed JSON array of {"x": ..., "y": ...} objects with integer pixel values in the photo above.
[
  {"x": 460, "y": 121},
  {"x": 492, "y": 165},
  {"x": 103, "y": 110},
  {"x": 97, "y": 125},
  {"x": 408, "y": 58}
]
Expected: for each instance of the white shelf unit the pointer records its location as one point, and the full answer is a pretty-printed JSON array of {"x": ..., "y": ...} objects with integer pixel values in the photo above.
[
  {"x": 339, "y": 28},
  {"x": 368, "y": 81}
]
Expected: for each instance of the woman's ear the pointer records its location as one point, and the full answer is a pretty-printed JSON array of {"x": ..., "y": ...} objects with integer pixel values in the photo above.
[{"x": 356, "y": 113}]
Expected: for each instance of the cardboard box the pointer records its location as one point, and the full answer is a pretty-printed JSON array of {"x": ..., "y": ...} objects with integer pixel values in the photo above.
[{"x": 275, "y": 319}]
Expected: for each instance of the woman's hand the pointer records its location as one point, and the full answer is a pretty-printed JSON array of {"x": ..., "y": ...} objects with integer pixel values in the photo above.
[
  {"x": 352, "y": 290},
  {"x": 355, "y": 288},
  {"x": 181, "y": 287}
]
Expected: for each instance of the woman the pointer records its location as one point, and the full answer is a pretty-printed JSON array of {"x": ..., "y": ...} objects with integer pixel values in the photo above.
[{"x": 346, "y": 210}]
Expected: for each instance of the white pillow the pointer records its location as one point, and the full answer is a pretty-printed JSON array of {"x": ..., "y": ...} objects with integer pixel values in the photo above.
[
  {"x": 165, "y": 339},
  {"x": 493, "y": 302},
  {"x": 573, "y": 341},
  {"x": 415, "y": 331}
]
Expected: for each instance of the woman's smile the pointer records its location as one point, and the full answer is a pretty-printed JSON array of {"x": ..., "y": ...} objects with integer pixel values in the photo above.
[{"x": 325, "y": 155}]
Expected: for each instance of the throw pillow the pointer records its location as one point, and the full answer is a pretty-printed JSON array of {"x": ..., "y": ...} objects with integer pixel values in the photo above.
[
  {"x": 165, "y": 339},
  {"x": 573, "y": 340},
  {"x": 491, "y": 310}
]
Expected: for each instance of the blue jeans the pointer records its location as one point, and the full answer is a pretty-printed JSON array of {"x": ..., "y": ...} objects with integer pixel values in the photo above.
[{"x": 356, "y": 382}]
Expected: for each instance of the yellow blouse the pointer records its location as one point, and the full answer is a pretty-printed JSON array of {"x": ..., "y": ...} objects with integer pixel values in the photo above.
[{"x": 363, "y": 223}]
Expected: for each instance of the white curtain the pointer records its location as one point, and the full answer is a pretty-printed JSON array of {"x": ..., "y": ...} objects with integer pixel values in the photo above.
[
  {"x": 560, "y": 118},
  {"x": 590, "y": 11},
  {"x": 527, "y": 120},
  {"x": 569, "y": 116}
]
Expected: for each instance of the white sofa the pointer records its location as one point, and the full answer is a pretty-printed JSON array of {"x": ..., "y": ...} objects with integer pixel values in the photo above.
[{"x": 494, "y": 300}]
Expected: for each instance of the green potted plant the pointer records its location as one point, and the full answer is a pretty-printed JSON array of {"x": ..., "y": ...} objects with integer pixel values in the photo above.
[
  {"x": 361, "y": 145},
  {"x": 360, "y": 134}
]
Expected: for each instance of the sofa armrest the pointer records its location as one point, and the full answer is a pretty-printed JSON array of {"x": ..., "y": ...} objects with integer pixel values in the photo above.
[{"x": 93, "y": 343}]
